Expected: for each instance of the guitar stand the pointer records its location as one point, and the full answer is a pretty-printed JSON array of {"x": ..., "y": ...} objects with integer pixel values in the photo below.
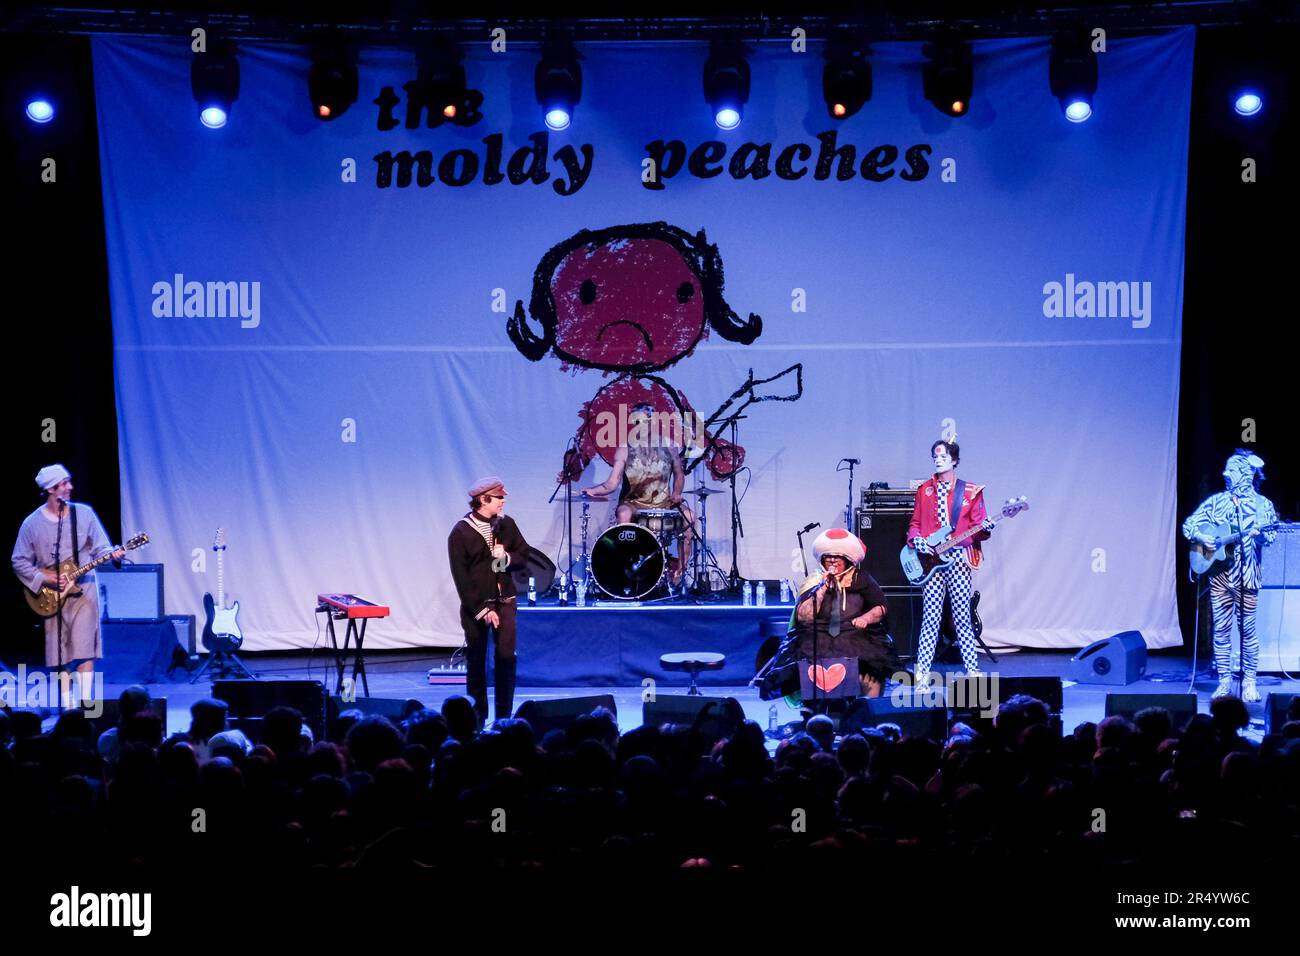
[
  {"x": 223, "y": 664},
  {"x": 341, "y": 654},
  {"x": 950, "y": 642}
]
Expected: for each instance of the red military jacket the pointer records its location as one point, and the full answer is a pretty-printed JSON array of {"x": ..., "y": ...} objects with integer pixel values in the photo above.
[{"x": 925, "y": 522}]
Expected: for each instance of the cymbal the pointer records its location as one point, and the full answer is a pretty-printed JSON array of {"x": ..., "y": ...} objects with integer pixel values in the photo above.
[{"x": 702, "y": 492}]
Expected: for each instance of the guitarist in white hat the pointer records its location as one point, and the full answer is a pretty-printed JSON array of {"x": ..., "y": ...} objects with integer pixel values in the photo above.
[
  {"x": 81, "y": 537},
  {"x": 1234, "y": 587}
]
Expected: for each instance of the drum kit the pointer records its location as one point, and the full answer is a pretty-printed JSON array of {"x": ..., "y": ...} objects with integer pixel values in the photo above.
[{"x": 633, "y": 561}]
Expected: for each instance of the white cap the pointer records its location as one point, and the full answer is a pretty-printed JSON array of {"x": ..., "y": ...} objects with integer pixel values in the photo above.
[{"x": 51, "y": 475}]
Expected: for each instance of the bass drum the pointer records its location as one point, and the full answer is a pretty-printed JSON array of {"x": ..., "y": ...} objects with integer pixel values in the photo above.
[{"x": 627, "y": 562}]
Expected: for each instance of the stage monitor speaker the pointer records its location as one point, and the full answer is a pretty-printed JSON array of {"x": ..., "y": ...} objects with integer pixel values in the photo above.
[
  {"x": 970, "y": 698},
  {"x": 1275, "y": 711},
  {"x": 1181, "y": 706},
  {"x": 394, "y": 708},
  {"x": 926, "y": 720},
  {"x": 133, "y": 592},
  {"x": 1277, "y": 625},
  {"x": 713, "y": 717},
  {"x": 249, "y": 701},
  {"x": 186, "y": 635},
  {"x": 547, "y": 715},
  {"x": 884, "y": 531},
  {"x": 538, "y": 567},
  {"x": 1118, "y": 659}
]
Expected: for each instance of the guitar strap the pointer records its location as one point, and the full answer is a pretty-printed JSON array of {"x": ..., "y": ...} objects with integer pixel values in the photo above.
[
  {"x": 76, "y": 552},
  {"x": 954, "y": 509}
]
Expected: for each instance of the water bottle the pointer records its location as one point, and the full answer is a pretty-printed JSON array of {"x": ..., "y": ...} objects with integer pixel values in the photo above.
[
  {"x": 785, "y": 591},
  {"x": 771, "y": 719},
  {"x": 762, "y": 594},
  {"x": 747, "y": 595},
  {"x": 532, "y": 591},
  {"x": 582, "y": 592},
  {"x": 564, "y": 590}
]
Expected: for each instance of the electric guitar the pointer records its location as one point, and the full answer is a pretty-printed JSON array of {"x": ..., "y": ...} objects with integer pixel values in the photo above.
[
  {"x": 221, "y": 624},
  {"x": 920, "y": 567},
  {"x": 1202, "y": 557},
  {"x": 48, "y": 601}
]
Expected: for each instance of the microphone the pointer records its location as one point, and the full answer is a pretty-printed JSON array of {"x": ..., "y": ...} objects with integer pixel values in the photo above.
[
  {"x": 807, "y": 528},
  {"x": 852, "y": 461}
]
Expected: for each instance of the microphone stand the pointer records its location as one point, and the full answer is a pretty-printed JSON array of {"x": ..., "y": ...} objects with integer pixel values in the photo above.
[
  {"x": 848, "y": 511},
  {"x": 567, "y": 485},
  {"x": 58, "y": 590},
  {"x": 802, "y": 553}
]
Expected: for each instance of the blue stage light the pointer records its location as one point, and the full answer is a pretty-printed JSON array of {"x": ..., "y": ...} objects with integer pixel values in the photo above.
[
  {"x": 727, "y": 118},
  {"x": 557, "y": 119},
  {"x": 40, "y": 110},
  {"x": 1078, "y": 111},
  {"x": 1248, "y": 103},
  {"x": 213, "y": 117},
  {"x": 726, "y": 82}
]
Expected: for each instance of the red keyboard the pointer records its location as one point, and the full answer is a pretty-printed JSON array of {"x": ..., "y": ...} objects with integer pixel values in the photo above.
[{"x": 352, "y": 606}]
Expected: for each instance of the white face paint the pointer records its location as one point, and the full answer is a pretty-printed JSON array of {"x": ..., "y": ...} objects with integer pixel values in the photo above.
[{"x": 942, "y": 461}]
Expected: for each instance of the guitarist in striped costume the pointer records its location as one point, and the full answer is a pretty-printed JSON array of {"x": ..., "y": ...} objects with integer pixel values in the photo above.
[
  {"x": 1234, "y": 583},
  {"x": 941, "y": 500}
]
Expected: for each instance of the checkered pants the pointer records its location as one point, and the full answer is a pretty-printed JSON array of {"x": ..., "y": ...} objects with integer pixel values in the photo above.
[
  {"x": 954, "y": 581},
  {"x": 1226, "y": 594}
]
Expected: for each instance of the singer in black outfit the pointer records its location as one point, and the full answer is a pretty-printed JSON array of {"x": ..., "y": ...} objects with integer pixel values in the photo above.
[{"x": 481, "y": 549}]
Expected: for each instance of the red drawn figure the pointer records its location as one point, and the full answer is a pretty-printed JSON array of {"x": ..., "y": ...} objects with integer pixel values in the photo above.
[{"x": 634, "y": 300}]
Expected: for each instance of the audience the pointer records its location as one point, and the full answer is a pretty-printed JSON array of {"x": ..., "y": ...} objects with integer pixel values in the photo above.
[{"x": 431, "y": 789}]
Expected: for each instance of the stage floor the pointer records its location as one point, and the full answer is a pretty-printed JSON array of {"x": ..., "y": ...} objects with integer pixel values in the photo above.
[{"x": 403, "y": 674}]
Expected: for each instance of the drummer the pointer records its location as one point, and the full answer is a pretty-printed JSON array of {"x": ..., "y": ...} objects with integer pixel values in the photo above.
[{"x": 652, "y": 464}]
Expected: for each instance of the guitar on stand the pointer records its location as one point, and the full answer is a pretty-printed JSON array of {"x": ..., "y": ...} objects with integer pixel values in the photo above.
[{"x": 221, "y": 633}]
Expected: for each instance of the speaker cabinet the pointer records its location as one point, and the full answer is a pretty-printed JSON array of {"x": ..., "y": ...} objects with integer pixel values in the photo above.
[
  {"x": 1181, "y": 706},
  {"x": 884, "y": 531},
  {"x": 1277, "y": 625},
  {"x": 249, "y": 701},
  {"x": 186, "y": 635},
  {"x": 1118, "y": 659},
  {"x": 394, "y": 708},
  {"x": 547, "y": 715},
  {"x": 1275, "y": 714},
  {"x": 972, "y": 698},
  {"x": 913, "y": 720},
  {"x": 712, "y": 717}
]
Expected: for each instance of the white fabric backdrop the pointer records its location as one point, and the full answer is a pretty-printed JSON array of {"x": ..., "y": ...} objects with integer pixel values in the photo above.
[{"x": 925, "y": 302}]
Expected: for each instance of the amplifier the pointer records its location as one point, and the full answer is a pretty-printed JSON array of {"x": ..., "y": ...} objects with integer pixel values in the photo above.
[
  {"x": 133, "y": 592},
  {"x": 884, "y": 532},
  {"x": 1277, "y": 625},
  {"x": 1279, "y": 563}
]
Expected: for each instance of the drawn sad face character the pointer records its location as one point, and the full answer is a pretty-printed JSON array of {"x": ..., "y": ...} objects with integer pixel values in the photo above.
[{"x": 632, "y": 300}]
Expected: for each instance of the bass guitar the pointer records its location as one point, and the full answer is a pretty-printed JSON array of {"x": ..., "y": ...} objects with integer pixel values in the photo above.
[
  {"x": 48, "y": 601},
  {"x": 920, "y": 567}
]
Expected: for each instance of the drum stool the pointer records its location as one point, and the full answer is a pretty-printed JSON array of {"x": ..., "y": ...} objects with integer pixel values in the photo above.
[{"x": 693, "y": 662}]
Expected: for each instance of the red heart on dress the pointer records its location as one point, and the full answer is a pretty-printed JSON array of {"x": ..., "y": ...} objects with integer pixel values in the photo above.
[{"x": 827, "y": 678}]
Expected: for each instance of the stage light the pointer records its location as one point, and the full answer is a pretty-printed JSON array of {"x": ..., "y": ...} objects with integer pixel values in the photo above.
[
  {"x": 214, "y": 81},
  {"x": 332, "y": 81},
  {"x": 1248, "y": 103},
  {"x": 1072, "y": 75},
  {"x": 441, "y": 85},
  {"x": 40, "y": 110},
  {"x": 846, "y": 80},
  {"x": 726, "y": 83},
  {"x": 947, "y": 78},
  {"x": 558, "y": 83}
]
